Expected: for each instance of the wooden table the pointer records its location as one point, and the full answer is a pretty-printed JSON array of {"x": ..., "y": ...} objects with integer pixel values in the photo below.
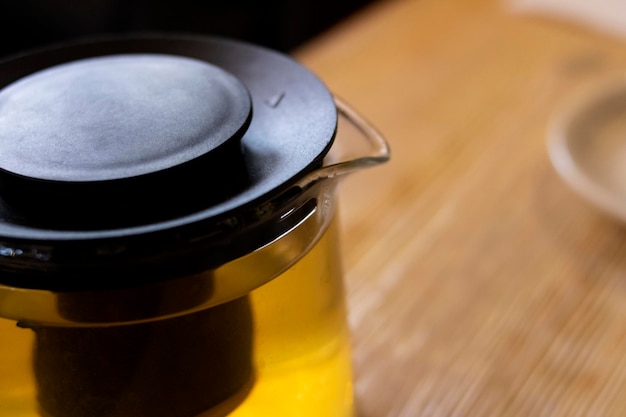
[{"x": 478, "y": 283}]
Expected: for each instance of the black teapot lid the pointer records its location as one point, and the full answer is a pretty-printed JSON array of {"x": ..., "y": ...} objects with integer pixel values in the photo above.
[{"x": 119, "y": 152}]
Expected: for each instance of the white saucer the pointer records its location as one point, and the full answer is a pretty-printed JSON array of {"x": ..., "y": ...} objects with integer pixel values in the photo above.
[{"x": 587, "y": 145}]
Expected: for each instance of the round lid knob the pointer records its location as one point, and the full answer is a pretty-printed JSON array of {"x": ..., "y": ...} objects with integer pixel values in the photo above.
[{"x": 82, "y": 138}]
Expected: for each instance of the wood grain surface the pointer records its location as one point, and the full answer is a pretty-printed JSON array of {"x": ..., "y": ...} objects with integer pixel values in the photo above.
[{"x": 478, "y": 283}]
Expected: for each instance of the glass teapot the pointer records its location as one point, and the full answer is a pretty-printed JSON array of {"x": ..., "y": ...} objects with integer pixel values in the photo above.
[{"x": 167, "y": 236}]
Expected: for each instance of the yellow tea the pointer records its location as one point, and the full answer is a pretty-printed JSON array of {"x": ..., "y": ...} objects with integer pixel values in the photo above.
[{"x": 300, "y": 354}]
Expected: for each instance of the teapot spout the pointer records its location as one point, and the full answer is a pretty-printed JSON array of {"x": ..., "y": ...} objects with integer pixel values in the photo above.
[{"x": 376, "y": 149}]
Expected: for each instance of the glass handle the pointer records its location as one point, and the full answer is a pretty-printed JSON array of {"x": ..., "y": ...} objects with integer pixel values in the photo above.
[{"x": 377, "y": 153}]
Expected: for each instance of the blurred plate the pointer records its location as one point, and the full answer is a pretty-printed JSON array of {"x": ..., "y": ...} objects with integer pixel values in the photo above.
[{"x": 587, "y": 145}]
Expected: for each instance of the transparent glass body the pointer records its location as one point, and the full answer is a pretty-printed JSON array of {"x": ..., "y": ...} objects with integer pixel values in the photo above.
[
  {"x": 276, "y": 348},
  {"x": 280, "y": 350}
]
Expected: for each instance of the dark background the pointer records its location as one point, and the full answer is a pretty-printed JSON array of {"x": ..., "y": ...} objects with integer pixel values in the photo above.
[{"x": 278, "y": 24}]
